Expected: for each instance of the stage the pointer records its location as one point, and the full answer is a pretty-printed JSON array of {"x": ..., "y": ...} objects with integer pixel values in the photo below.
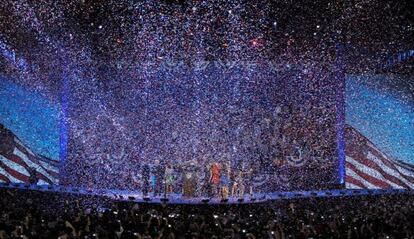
[{"x": 131, "y": 196}]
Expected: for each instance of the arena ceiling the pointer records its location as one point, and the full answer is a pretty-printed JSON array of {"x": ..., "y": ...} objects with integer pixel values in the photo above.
[{"x": 45, "y": 36}]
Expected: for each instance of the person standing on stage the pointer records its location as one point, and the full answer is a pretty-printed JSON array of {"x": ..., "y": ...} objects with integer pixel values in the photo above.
[
  {"x": 249, "y": 181},
  {"x": 169, "y": 179},
  {"x": 158, "y": 180},
  {"x": 238, "y": 185},
  {"x": 206, "y": 190},
  {"x": 145, "y": 179},
  {"x": 153, "y": 179},
  {"x": 215, "y": 177},
  {"x": 33, "y": 179},
  {"x": 225, "y": 181}
]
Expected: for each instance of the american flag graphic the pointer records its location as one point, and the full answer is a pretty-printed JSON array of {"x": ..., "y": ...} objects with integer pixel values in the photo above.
[
  {"x": 367, "y": 167},
  {"x": 18, "y": 163}
]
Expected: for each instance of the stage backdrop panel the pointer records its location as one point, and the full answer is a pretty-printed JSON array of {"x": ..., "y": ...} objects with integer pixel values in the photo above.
[
  {"x": 277, "y": 126},
  {"x": 29, "y": 136},
  {"x": 379, "y": 131}
]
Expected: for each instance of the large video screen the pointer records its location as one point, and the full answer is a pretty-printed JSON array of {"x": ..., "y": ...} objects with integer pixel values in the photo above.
[
  {"x": 29, "y": 136},
  {"x": 277, "y": 128},
  {"x": 379, "y": 131}
]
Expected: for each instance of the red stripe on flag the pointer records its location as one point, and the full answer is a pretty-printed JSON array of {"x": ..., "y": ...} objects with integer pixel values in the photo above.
[
  {"x": 369, "y": 163},
  {"x": 4, "y": 178},
  {"x": 15, "y": 173},
  {"x": 404, "y": 165},
  {"x": 18, "y": 160},
  {"x": 40, "y": 175},
  {"x": 390, "y": 164},
  {"x": 371, "y": 179},
  {"x": 44, "y": 178},
  {"x": 354, "y": 181},
  {"x": 35, "y": 160},
  {"x": 49, "y": 161},
  {"x": 358, "y": 143}
]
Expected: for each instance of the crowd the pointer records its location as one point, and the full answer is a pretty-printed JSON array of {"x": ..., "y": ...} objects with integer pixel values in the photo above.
[{"x": 31, "y": 214}]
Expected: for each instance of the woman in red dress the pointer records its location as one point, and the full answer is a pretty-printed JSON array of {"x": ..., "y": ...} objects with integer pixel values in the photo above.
[{"x": 215, "y": 177}]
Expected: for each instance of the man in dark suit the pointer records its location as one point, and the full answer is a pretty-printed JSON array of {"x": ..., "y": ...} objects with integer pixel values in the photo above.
[
  {"x": 159, "y": 177},
  {"x": 145, "y": 179},
  {"x": 33, "y": 179}
]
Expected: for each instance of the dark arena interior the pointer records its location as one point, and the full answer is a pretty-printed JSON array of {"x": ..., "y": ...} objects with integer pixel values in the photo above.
[{"x": 206, "y": 119}]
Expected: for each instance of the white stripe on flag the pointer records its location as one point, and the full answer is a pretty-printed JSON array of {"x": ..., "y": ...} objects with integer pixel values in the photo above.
[
  {"x": 370, "y": 171},
  {"x": 370, "y": 145},
  {"x": 404, "y": 171},
  {"x": 366, "y": 183},
  {"x": 407, "y": 165},
  {"x": 21, "y": 144},
  {"x": 351, "y": 186},
  {"x": 41, "y": 182},
  {"x": 30, "y": 163},
  {"x": 15, "y": 166},
  {"x": 10, "y": 177},
  {"x": 387, "y": 169},
  {"x": 44, "y": 164},
  {"x": 49, "y": 167}
]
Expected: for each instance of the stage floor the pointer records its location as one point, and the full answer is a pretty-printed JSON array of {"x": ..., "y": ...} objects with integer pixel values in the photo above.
[{"x": 124, "y": 195}]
